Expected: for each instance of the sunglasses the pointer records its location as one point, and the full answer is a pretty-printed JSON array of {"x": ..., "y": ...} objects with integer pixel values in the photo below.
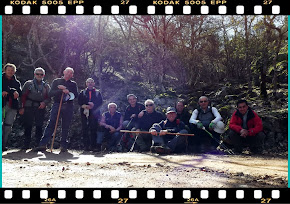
[
  {"x": 149, "y": 105},
  {"x": 38, "y": 74},
  {"x": 202, "y": 101}
]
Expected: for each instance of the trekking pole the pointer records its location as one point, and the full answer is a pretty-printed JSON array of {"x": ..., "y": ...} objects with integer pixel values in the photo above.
[
  {"x": 119, "y": 144},
  {"x": 147, "y": 132},
  {"x": 134, "y": 143},
  {"x": 222, "y": 145},
  {"x": 55, "y": 127}
]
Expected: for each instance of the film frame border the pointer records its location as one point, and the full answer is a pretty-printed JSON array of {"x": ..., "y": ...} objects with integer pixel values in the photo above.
[
  {"x": 144, "y": 195},
  {"x": 90, "y": 195},
  {"x": 149, "y": 7}
]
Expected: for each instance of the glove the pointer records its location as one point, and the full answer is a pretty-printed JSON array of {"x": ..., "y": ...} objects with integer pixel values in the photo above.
[
  {"x": 199, "y": 125},
  {"x": 86, "y": 112},
  {"x": 212, "y": 125}
]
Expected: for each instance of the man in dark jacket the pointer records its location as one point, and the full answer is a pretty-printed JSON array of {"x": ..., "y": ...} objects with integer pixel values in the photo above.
[
  {"x": 132, "y": 111},
  {"x": 11, "y": 92},
  {"x": 146, "y": 119},
  {"x": 182, "y": 112},
  {"x": 34, "y": 99},
  {"x": 90, "y": 100},
  {"x": 111, "y": 121},
  {"x": 165, "y": 143},
  {"x": 68, "y": 88},
  {"x": 246, "y": 128}
]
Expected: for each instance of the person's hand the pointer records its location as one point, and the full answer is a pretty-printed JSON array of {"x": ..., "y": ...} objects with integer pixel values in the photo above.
[
  {"x": 140, "y": 115},
  {"x": 42, "y": 105},
  {"x": 4, "y": 93},
  {"x": 62, "y": 87},
  {"x": 112, "y": 129},
  {"x": 15, "y": 94},
  {"x": 163, "y": 132},
  {"x": 66, "y": 91},
  {"x": 85, "y": 106},
  {"x": 212, "y": 125},
  {"x": 91, "y": 105},
  {"x": 244, "y": 133},
  {"x": 154, "y": 132},
  {"x": 199, "y": 125},
  {"x": 21, "y": 111},
  {"x": 133, "y": 116}
]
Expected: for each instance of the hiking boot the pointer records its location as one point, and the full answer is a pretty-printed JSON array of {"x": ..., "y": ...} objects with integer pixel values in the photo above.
[
  {"x": 153, "y": 149},
  {"x": 162, "y": 150},
  {"x": 40, "y": 148},
  {"x": 238, "y": 150},
  {"x": 63, "y": 150},
  {"x": 25, "y": 147},
  {"x": 256, "y": 150},
  {"x": 98, "y": 148}
]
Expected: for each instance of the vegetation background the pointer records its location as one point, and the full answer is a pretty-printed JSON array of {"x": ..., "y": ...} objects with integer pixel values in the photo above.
[{"x": 163, "y": 58}]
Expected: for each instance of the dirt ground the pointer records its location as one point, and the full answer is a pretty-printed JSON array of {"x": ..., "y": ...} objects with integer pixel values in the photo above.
[{"x": 135, "y": 170}]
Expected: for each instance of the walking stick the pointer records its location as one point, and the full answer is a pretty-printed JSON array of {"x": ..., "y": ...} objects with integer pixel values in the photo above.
[
  {"x": 119, "y": 143},
  {"x": 147, "y": 132},
  {"x": 222, "y": 145},
  {"x": 55, "y": 127}
]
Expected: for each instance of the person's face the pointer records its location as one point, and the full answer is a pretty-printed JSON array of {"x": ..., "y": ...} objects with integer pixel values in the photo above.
[
  {"x": 9, "y": 71},
  {"x": 171, "y": 116},
  {"x": 149, "y": 107},
  {"x": 179, "y": 107},
  {"x": 112, "y": 108},
  {"x": 39, "y": 75},
  {"x": 68, "y": 74},
  {"x": 90, "y": 84},
  {"x": 132, "y": 100},
  {"x": 203, "y": 102},
  {"x": 243, "y": 108}
]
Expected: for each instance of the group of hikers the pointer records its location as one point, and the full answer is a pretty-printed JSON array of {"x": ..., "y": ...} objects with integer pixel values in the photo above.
[{"x": 142, "y": 128}]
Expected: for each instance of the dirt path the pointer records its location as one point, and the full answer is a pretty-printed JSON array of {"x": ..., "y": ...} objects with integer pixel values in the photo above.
[{"x": 133, "y": 170}]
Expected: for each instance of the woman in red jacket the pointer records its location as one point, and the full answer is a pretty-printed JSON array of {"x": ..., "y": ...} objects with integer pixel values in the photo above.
[{"x": 246, "y": 127}]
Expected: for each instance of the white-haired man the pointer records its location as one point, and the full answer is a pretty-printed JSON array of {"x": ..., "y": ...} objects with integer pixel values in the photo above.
[
  {"x": 147, "y": 118},
  {"x": 112, "y": 121},
  {"x": 205, "y": 116},
  {"x": 68, "y": 88}
]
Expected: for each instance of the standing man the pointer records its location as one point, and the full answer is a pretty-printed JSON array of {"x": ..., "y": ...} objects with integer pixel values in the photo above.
[
  {"x": 90, "y": 100},
  {"x": 146, "y": 119},
  {"x": 68, "y": 88},
  {"x": 11, "y": 91},
  {"x": 246, "y": 127},
  {"x": 205, "y": 116},
  {"x": 34, "y": 100},
  {"x": 132, "y": 111},
  {"x": 112, "y": 122},
  {"x": 165, "y": 143}
]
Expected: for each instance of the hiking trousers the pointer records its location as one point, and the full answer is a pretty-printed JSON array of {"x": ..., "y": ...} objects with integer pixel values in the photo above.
[{"x": 7, "y": 123}]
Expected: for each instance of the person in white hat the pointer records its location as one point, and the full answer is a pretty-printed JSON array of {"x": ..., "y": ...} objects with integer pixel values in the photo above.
[{"x": 208, "y": 117}]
